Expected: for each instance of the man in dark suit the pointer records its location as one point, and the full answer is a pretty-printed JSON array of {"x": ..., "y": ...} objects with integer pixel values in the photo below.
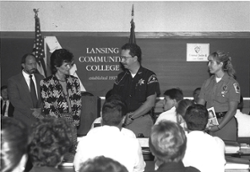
[
  {"x": 7, "y": 108},
  {"x": 27, "y": 103}
]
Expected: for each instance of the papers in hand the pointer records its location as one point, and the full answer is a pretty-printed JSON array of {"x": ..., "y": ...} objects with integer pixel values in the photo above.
[{"x": 212, "y": 119}]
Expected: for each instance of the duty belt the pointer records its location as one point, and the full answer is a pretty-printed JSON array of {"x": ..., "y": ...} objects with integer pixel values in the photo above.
[{"x": 220, "y": 114}]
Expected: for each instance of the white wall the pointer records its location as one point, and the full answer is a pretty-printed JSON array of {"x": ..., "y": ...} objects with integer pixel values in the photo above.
[{"x": 115, "y": 16}]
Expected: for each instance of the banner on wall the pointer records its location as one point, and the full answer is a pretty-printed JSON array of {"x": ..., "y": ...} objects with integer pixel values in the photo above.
[{"x": 97, "y": 60}]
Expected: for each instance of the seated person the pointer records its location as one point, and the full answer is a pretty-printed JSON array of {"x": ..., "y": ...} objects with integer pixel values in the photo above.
[
  {"x": 181, "y": 110},
  {"x": 171, "y": 99},
  {"x": 204, "y": 151},
  {"x": 167, "y": 143},
  {"x": 243, "y": 121},
  {"x": 102, "y": 164},
  {"x": 14, "y": 143},
  {"x": 50, "y": 142},
  {"x": 109, "y": 141},
  {"x": 196, "y": 94}
]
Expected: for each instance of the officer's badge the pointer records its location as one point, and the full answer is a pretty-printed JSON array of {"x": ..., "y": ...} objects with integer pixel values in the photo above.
[
  {"x": 236, "y": 87},
  {"x": 152, "y": 79},
  {"x": 224, "y": 91},
  {"x": 141, "y": 81}
]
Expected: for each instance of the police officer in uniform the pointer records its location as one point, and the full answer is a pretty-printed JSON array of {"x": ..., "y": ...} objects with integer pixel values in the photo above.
[
  {"x": 139, "y": 87},
  {"x": 222, "y": 92}
]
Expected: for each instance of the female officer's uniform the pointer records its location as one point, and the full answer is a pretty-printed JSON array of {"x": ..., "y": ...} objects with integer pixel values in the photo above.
[{"x": 218, "y": 95}]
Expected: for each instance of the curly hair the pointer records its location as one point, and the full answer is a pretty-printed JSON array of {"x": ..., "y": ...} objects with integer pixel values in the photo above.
[
  {"x": 14, "y": 135},
  {"x": 50, "y": 142},
  {"x": 167, "y": 141},
  {"x": 223, "y": 57}
]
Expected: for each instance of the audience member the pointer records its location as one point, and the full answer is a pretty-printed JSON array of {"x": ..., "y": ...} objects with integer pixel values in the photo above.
[
  {"x": 222, "y": 92},
  {"x": 24, "y": 91},
  {"x": 139, "y": 87},
  {"x": 97, "y": 122},
  {"x": 171, "y": 99},
  {"x": 243, "y": 121},
  {"x": 168, "y": 143},
  {"x": 7, "y": 108},
  {"x": 50, "y": 142},
  {"x": 109, "y": 141},
  {"x": 14, "y": 143},
  {"x": 102, "y": 164},
  {"x": 196, "y": 94},
  {"x": 204, "y": 151},
  {"x": 181, "y": 110},
  {"x": 60, "y": 92}
]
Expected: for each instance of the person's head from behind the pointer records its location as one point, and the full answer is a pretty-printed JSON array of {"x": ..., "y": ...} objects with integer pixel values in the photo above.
[
  {"x": 50, "y": 142},
  {"x": 4, "y": 92},
  {"x": 14, "y": 143},
  {"x": 196, "y": 94},
  {"x": 61, "y": 61},
  {"x": 102, "y": 164},
  {"x": 196, "y": 117},
  {"x": 172, "y": 97},
  {"x": 167, "y": 142},
  {"x": 28, "y": 63},
  {"x": 182, "y": 106},
  {"x": 130, "y": 54},
  {"x": 114, "y": 111}
]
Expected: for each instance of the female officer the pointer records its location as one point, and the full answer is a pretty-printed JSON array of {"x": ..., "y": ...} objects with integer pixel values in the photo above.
[{"x": 222, "y": 92}]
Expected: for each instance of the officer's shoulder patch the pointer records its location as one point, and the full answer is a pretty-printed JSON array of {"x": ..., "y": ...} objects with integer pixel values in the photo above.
[
  {"x": 236, "y": 87},
  {"x": 152, "y": 79}
]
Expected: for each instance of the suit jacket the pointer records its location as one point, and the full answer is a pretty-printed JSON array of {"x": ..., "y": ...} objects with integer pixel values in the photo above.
[
  {"x": 20, "y": 98},
  {"x": 10, "y": 109}
]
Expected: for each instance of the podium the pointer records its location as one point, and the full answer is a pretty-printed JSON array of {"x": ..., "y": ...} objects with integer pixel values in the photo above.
[{"x": 91, "y": 106}]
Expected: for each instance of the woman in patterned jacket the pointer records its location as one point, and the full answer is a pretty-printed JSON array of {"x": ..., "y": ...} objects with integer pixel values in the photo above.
[{"x": 60, "y": 92}]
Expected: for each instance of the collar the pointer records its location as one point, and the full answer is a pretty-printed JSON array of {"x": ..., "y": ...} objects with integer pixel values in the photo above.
[
  {"x": 27, "y": 76},
  {"x": 139, "y": 72},
  {"x": 224, "y": 78}
]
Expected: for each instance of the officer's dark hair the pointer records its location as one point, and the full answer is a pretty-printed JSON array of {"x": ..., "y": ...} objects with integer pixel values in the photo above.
[
  {"x": 58, "y": 57},
  {"x": 135, "y": 50}
]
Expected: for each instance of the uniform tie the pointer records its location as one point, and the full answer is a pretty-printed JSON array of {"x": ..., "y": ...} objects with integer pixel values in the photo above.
[{"x": 33, "y": 92}]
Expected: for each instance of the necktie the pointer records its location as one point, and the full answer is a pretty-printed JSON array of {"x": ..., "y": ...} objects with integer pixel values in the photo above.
[
  {"x": 33, "y": 92},
  {"x": 4, "y": 107}
]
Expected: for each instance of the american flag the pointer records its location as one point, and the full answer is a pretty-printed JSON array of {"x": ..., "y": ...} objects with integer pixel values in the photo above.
[{"x": 38, "y": 49}]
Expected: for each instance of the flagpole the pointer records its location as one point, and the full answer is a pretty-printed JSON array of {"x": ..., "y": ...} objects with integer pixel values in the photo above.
[{"x": 132, "y": 29}]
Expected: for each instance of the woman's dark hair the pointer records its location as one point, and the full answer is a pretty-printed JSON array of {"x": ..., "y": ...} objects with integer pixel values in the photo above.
[
  {"x": 58, "y": 57},
  {"x": 14, "y": 135}
]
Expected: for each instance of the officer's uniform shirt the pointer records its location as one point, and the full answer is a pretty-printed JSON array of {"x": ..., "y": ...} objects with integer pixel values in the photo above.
[
  {"x": 218, "y": 95},
  {"x": 136, "y": 90}
]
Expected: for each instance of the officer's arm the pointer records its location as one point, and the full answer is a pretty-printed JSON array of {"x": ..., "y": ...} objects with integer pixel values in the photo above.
[
  {"x": 145, "y": 107},
  {"x": 230, "y": 113}
]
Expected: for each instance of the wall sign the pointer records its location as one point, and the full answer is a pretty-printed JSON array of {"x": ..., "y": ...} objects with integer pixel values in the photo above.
[{"x": 197, "y": 52}]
